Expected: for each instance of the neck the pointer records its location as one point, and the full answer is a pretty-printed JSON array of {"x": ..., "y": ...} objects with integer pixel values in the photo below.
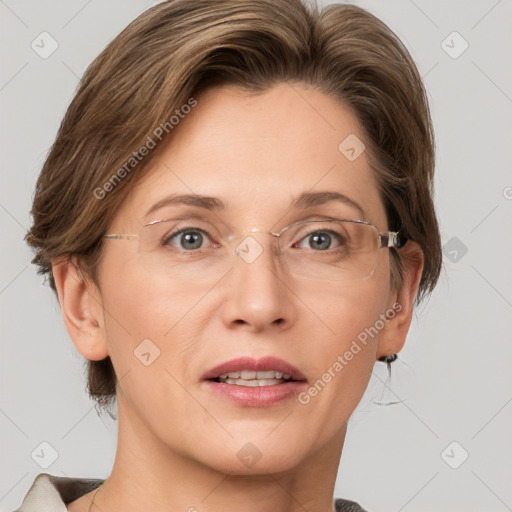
[{"x": 148, "y": 474}]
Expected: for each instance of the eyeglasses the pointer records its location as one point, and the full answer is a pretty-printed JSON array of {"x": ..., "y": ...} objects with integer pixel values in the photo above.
[{"x": 321, "y": 249}]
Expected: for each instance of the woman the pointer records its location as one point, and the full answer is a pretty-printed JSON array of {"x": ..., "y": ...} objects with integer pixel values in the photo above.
[{"x": 237, "y": 219}]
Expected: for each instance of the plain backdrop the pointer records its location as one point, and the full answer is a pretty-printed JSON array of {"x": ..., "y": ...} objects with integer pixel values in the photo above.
[{"x": 446, "y": 446}]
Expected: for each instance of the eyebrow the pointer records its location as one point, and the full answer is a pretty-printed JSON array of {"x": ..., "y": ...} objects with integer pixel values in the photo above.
[{"x": 304, "y": 201}]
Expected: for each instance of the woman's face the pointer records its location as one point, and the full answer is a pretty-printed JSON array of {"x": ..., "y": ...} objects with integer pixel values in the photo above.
[{"x": 166, "y": 329}]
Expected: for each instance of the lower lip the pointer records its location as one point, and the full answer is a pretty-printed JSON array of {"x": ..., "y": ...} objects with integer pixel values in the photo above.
[{"x": 261, "y": 396}]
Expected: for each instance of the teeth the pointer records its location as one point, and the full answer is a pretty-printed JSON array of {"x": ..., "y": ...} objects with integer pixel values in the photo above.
[
  {"x": 265, "y": 375},
  {"x": 251, "y": 378},
  {"x": 253, "y": 383},
  {"x": 250, "y": 375}
]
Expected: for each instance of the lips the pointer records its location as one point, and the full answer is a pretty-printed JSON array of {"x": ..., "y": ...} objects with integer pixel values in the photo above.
[
  {"x": 248, "y": 365},
  {"x": 251, "y": 382}
]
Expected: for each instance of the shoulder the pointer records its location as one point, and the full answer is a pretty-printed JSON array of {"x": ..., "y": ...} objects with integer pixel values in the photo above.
[
  {"x": 342, "y": 505},
  {"x": 50, "y": 493}
]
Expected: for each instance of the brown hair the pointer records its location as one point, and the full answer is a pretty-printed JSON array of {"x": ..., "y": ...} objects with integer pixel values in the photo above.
[{"x": 178, "y": 48}]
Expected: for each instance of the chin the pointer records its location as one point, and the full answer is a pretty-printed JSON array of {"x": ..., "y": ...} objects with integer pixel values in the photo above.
[
  {"x": 256, "y": 455},
  {"x": 269, "y": 463}
]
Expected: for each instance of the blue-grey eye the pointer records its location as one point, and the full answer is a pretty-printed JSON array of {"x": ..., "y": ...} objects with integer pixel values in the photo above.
[
  {"x": 320, "y": 240},
  {"x": 187, "y": 239}
]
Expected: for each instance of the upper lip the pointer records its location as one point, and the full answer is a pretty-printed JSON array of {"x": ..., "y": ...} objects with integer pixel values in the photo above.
[{"x": 255, "y": 364}]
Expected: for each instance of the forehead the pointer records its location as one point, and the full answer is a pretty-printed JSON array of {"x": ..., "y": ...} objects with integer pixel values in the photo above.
[{"x": 259, "y": 152}]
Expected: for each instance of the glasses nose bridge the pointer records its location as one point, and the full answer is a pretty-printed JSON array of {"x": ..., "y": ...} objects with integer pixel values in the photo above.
[{"x": 248, "y": 245}]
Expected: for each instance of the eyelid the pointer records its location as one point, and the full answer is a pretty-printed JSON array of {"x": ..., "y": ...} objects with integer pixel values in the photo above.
[
  {"x": 223, "y": 229},
  {"x": 173, "y": 219}
]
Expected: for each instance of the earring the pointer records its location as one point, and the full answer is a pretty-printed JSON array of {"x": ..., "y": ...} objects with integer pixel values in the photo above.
[
  {"x": 388, "y": 359},
  {"x": 391, "y": 387}
]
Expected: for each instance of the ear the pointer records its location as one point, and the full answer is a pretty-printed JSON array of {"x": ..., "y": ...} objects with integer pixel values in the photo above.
[
  {"x": 392, "y": 337},
  {"x": 82, "y": 309}
]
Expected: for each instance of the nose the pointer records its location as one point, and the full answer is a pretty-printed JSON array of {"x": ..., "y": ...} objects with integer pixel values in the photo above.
[{"x": 260, "y": 297}]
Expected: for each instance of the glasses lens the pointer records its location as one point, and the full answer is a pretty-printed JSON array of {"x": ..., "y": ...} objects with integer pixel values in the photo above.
[
  {"x": 330, "y": 250},
  {"x": 184, "y": 249}
]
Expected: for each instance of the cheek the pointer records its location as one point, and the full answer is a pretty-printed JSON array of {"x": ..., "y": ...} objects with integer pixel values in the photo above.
[
  {"x": 348, "y": 320},
  {"x": 344, "y": 344},
  {"x": 345, "y": 311},
  {"x": 143, "y": 301},
  {"x": 145, "y": 314}
]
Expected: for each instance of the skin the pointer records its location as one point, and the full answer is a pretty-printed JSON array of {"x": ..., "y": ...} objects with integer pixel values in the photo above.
[{"x": 178, "y": 442}]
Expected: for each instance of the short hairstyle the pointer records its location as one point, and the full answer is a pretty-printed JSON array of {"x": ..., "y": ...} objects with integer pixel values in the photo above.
[{"x": 177, "y": 49}]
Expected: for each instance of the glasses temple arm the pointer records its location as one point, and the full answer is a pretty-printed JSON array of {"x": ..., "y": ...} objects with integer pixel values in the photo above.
[{"x": 393, "y": 239}]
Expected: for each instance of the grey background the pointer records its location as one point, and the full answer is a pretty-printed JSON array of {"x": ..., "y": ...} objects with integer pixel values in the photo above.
[{"x": 456, "y": 383}]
